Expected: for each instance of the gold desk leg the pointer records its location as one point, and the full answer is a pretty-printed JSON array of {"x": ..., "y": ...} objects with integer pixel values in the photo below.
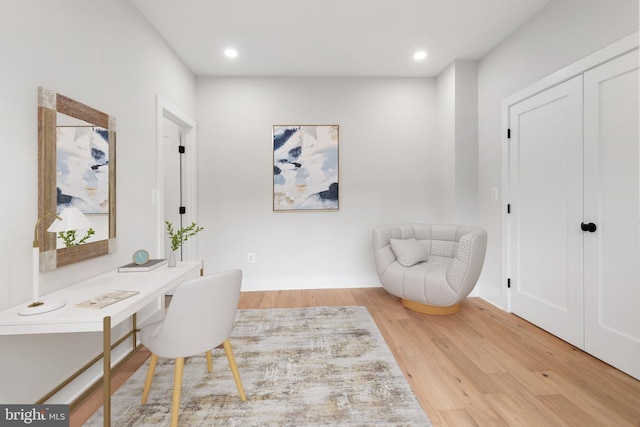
[
  {"x": 134, "y": 329},
  {"x": 106, "y": 370}
]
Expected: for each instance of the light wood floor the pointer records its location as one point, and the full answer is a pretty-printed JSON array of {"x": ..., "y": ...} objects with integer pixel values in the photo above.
[{"x": 478, "y": 367}]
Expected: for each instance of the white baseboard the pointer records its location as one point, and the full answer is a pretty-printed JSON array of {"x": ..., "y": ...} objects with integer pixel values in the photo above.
[{"x": 282, "y": 283}]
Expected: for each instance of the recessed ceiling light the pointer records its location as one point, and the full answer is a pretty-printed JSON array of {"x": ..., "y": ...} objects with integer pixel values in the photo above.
[
  {"x": 230, "y": 53},
  {"x": 420, "y": 55}
]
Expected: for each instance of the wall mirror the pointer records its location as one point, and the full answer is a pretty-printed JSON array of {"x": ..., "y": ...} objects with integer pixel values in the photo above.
[{"x": 77, "y": 167}]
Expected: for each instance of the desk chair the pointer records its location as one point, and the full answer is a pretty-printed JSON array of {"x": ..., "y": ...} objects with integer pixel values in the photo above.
[{"x": 199, "y": 318}]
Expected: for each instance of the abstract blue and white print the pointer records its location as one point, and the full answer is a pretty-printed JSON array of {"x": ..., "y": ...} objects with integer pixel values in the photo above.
[
  {"x": 83, "y": 168},
  {"x": 305, "y": 167}
]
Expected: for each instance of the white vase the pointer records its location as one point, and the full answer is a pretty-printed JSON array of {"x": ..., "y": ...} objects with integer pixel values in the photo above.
[{"x": 172, "y": 259}]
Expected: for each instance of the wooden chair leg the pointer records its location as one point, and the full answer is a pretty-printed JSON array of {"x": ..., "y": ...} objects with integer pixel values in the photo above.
[
  {"x": 209, "y": 361},
  {"x": 234, "y": 368},
  {"x": 177, "y": 387},
  {"x": 147, "y": 385}
]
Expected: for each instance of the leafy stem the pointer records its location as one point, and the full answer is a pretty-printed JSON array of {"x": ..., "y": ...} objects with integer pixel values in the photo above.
[
  {"x": 181, "y": 235},
  {"x": 69, "y": 237}
]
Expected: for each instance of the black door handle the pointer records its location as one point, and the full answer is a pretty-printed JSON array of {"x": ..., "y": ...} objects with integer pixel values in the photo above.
[{"x": 591, "y": 227}]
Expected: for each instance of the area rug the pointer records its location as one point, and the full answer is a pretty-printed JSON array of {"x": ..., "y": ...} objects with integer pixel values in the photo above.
[{"x": 317, "y": 366}]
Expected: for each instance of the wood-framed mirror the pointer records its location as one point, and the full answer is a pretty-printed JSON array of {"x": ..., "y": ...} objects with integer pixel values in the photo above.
[{"x": 76, "y": 167}]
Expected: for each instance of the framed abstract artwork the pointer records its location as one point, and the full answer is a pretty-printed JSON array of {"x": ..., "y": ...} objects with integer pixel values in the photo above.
[{"x": 305, "y": 167}]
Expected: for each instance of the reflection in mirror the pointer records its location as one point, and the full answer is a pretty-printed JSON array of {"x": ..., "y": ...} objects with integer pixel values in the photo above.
[
  {"x": 82, "y": 176},
  {"x": 77, "y": 169}
]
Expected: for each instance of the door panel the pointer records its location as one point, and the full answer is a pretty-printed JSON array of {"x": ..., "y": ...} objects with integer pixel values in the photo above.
[
  {"x": 545, "y": 238},
  {"x": 172, "y": 179},
  {"x": 612, "y": 201}
]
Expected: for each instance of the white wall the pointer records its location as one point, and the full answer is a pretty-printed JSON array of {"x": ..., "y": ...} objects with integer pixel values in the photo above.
[
  {"x": 445, "y": 166},
  {"x": 104, "y": 54},
  {"x": 560, "y": 34},
  {"x": 457, "y": 143},
  {"x": 466, "y": 153},
  {"x": 387, "y": 143}
]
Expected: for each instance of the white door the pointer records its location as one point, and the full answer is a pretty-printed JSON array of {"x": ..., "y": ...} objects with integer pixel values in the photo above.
[
  {"x": 612, "y": 203},
  {"x": 173, "y": 182},
  {"x": 546, "y": 206}
]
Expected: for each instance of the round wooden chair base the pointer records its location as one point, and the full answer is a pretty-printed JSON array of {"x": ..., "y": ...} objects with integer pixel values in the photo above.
[{"x": 430, "y": 309}]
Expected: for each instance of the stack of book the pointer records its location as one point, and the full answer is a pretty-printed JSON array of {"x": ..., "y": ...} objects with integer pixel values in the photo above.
[{"x": 152, "y": 264}]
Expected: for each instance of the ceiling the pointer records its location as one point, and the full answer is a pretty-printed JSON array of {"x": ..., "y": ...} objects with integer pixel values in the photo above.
[{"x": 332, "y": 37}]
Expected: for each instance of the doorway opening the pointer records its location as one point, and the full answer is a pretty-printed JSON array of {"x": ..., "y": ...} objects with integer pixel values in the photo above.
[{"x": 176, "y": 177}]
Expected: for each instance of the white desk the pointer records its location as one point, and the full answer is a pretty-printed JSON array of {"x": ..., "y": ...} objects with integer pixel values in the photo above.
[{"x": 150, "y": 285}]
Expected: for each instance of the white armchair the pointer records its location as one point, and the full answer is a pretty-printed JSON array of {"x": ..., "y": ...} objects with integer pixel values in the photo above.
[
  {"x": 431, "y": 268},
  {"x": 200, "y": 317}
]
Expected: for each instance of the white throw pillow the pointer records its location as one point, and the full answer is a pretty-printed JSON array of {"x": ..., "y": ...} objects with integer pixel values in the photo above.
[{"x": 408, "y": 251}]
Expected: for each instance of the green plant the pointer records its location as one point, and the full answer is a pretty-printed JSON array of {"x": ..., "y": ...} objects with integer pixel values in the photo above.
[
  {"x": 181, "y": 235},
  {"x": 69, "y": 237}
]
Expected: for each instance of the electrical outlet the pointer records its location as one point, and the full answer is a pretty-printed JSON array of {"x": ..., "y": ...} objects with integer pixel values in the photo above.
[{"x": 251, "y": 257}]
